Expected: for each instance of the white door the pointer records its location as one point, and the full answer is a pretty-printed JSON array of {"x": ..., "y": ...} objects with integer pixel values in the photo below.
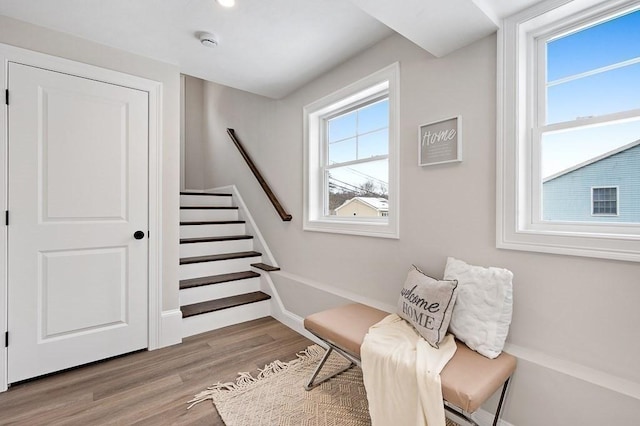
[{"x": 77, "y": 277}]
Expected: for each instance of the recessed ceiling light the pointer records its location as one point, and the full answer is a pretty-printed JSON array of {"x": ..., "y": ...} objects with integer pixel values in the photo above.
[{"x": 227, "y": 3}]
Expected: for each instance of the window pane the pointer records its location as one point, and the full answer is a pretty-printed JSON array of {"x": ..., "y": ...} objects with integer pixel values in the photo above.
[
  {"x": 376, "y": 143},
  {"x": 342, "y": 151},
  {"x": 373, "y": 117},
  {"x": 591, "y": 162},
  {"x": 365, "y": 180},
  {"x": 342, "y": 127},
  {"x": 605, "y": 201},
  {"x": 359, "y": 134},
  {"x": 604, "y": 93},
  {"x": 608, "y": 43}
]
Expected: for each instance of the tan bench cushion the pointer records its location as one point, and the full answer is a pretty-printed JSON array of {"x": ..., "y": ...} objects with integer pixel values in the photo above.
[
  {"x": 468, "y": 379},
  {"x": 344, "y": 326}
]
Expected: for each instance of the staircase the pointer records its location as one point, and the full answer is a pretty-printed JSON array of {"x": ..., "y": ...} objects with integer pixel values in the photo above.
[{"x": 219, "y": 270}]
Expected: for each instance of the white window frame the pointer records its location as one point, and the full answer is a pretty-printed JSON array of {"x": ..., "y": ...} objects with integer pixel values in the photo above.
[
  {"x": 617, "y": 213},
  {"x": 315, "y": 115},
  {"x": 519, "y": 221}
]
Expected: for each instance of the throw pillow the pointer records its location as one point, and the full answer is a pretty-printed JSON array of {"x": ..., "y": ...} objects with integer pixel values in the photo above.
[
  {"x": 426, "y": 303},
  {"x": 483, "y": 308}
]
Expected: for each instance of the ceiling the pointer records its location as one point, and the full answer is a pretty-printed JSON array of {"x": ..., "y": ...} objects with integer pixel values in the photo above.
[{"x": 268, "y": 47}]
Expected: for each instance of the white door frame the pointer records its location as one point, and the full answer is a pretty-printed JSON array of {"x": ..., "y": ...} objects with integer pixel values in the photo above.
[{"x": 154, "y": 89}]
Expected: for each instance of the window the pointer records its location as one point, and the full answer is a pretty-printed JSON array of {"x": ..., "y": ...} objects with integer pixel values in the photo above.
[
  {"x": 356, "y": 163},
  {"x": 569, "y": 129},
  {"x": 351, "y": 155},
  {"x": 604, "y": 201}
]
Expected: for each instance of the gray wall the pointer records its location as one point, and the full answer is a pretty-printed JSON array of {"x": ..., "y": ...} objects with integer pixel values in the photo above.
[
  {"x": 42, "y": 40},
  {"x": 575, "y": 319}
]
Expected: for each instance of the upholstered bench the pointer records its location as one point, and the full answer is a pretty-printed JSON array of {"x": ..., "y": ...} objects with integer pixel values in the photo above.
[{"x": 468, "y": 379}]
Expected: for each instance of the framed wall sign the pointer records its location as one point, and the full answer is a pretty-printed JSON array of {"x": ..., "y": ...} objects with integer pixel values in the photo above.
[{"x": 440, "y": 142}]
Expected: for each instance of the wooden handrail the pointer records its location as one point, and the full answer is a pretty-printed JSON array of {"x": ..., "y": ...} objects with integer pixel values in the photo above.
[{"x": 263, "y": 183}]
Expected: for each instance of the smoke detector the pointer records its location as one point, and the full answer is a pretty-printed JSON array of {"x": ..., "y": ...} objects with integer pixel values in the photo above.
[{"x": 208, "y": 40}]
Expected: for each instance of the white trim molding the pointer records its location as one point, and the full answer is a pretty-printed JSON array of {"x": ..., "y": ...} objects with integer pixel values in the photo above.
[
  {"x": 3, "y": 229},
  {"x": 578, "y": 371},
  {"x": 183, "y": 133},
  {"x": 518, "y": 222},
  {"x": 156, "y": 336},
  {"x": 170, "y": 328}
]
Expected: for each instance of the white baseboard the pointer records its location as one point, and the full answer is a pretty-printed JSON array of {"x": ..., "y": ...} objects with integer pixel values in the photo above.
[
  {"x": 170, "y": 328},
  {"x": 578, "y": 371},
  {"x": 294, "y": 322},
  {"x": 3, "y": 370}
]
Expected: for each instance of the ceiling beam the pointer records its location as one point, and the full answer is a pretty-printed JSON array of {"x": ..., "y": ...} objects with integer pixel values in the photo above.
[{"x": 438, "y": 26}]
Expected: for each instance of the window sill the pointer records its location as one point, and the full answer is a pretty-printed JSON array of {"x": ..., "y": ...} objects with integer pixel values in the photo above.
[
  {"x": 378, "y": 229},
  {"x": 603, "y": 246}
]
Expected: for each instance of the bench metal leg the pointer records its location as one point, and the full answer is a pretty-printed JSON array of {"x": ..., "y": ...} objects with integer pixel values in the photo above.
[
  {"x": 504, "y": 392},
  {"x": 310, "y": 385},
  {"x": 467, "y": 416}
]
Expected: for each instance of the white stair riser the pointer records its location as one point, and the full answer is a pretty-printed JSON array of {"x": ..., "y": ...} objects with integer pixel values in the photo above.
[
  {"x": 213, "y": 320},
  {"x": 196, "y": 231},
  {"x": 195, "y": 215},
  {"x": 215, "y": 247},
  {"x": 205, "y": 200},
  {"x": 205, "y": 269},
  {"x": 216, "y": 291}
]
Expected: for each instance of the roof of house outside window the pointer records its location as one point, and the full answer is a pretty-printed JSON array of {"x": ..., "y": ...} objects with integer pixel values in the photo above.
[
  {"x": 592, "y": 160},
  {"x": 379, "y": 204}
]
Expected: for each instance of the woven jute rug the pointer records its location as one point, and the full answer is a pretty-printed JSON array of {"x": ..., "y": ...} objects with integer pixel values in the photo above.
[{"x": 276, "y": 396}]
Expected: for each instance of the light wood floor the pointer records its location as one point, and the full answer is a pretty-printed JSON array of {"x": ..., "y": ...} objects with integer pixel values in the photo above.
[{"x": 151, "y": 388}]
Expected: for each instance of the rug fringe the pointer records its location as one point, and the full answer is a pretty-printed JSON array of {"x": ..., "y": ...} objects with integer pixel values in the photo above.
[{"x": 245, "y": 379}]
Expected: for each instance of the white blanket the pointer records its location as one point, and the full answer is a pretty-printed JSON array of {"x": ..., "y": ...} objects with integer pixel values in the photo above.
[{"x": 401, "y": 374}]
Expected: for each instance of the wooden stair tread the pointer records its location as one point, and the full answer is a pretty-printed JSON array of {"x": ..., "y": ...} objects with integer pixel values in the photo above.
[
  {"x": 208, "y": 208},
  {"x": 265, "y": 267},
  {"x": 217, "y": 279},
  {"x": 216, "y": 257},
  {"x": 215, "y": 239},
  {"x": 210, "y": 194},
  {"x": 223, "y": 303},
  {"x": 214, "y": 222}
]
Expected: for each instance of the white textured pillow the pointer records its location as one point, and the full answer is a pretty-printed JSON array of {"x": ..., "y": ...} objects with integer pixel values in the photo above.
[
  {"x": 482, "y": 313},
  {"x": 426, "y": 303}
]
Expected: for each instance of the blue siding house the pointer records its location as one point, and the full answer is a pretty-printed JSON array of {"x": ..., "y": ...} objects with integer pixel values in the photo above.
[{"x": 603, "y": 189}]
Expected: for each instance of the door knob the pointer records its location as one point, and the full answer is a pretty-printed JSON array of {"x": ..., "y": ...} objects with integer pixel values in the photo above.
[{"x": 138, "y": 235}]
